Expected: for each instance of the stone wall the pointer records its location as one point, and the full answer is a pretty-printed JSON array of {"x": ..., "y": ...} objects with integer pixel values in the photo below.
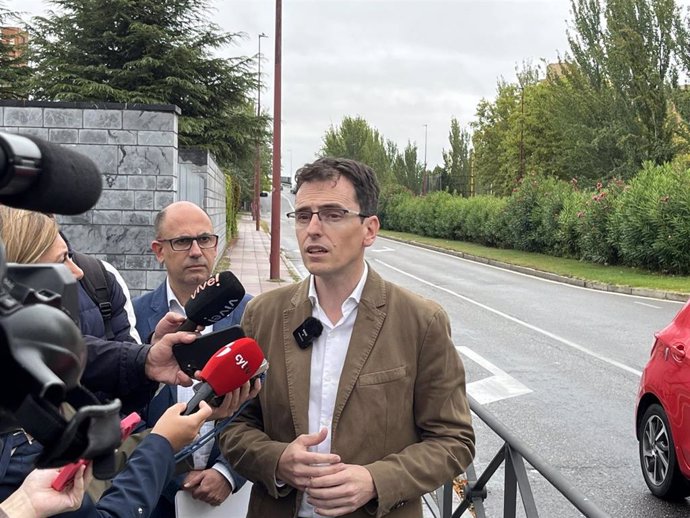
[
  {"x": 136, "y": 149},
  {"x": 201, "y": 162}
]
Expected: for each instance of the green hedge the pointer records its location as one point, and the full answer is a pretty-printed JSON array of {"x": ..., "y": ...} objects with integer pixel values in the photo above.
[
  {"x": 651, "y": 224},
  {"x": 232, "y": 205},
  {"x": 645, "y": 223}
]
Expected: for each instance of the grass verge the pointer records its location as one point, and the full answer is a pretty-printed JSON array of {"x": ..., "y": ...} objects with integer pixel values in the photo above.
[{"x": 615, "y": 275}]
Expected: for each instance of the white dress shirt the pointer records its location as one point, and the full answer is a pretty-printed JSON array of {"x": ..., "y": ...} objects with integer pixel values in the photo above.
[{"x": 328, "y": 354}]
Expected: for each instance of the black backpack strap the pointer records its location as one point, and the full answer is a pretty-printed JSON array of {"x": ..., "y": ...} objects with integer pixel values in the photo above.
[{"x": 95, "y": 282}]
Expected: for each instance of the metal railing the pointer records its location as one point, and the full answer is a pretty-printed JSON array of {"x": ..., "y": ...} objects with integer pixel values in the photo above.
[{"x": 513, "y": 453}]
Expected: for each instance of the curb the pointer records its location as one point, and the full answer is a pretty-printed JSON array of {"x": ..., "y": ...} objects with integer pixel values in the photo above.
[{"x": 594, "y": 285}]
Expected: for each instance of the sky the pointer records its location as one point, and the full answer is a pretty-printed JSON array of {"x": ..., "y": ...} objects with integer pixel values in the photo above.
[{"x": 406, "y": 66}]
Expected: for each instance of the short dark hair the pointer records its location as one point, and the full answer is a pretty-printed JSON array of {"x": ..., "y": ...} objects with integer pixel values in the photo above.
[{"x": 361, "y": 175}]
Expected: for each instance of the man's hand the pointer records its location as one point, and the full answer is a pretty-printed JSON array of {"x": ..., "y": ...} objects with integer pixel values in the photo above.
[
  {"x": 297, "y": 465},
  {"x": 180, "y": 429},
  {"x": 168, "y": 324},
  {"x": 207, "y": 485},
  {"x": 342, "y": 492},
  {"x": 233, "y": 400},
  {"x": 161, "y": 364}
]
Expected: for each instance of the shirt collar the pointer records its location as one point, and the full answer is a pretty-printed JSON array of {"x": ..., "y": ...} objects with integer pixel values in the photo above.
[
  {"x": 173, "y": 304},
  {"x": 354, "y": 297}
]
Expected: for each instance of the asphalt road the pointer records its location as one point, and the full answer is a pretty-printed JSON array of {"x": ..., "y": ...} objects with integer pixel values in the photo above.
[{"x": 557, "y": 364}]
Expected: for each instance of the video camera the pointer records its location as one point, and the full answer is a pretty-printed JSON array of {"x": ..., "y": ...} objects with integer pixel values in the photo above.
[{"x": 42, "y": 351}]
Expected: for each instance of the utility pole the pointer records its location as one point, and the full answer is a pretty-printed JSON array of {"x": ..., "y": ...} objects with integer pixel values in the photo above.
[
  {"x": 257, "y": 159},
  {"x": 424, "y": 176},
  {"x": 277, "y": 109}
]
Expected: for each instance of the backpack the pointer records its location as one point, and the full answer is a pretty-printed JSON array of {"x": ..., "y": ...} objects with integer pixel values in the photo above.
[{"x": 95, "y": 282}]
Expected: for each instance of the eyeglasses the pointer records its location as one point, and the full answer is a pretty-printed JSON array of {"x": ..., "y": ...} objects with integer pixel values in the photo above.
[
  {"x": 329, "y": 216},
  {"x": 183, "y": 243}
]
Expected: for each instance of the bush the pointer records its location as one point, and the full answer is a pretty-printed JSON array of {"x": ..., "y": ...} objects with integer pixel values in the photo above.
[
  {"x": 532, "y": 213},
  {"x": 430, "y": 214},
  {"x": 568, "y": 233},
  {"x": 651, "y": 223},
  {"x": 390, "y": 198},
  {"x": 232, "y": 205},
  {"x": 595, "y": 242},
  {"x": 550, "y": 205}
]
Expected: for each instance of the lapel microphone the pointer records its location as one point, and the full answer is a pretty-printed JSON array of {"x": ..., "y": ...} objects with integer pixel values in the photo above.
[{"x": 308, "y": 330}]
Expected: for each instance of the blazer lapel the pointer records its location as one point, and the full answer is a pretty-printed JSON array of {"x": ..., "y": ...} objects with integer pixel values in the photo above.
[
  {"x": 370, "y": 317},
  {"x": 297, "y": 360},
  {"x": 159, "y": 307}
]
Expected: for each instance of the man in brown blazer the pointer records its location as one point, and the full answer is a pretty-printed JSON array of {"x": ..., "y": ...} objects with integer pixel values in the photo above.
[{"x": 372, "y": 413}]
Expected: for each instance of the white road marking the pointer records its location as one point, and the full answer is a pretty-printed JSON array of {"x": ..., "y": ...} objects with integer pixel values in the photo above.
[
  {"x": 648, "y": 305},
  {"x": 494, "y": 388},
  {"x": 382, "y": 249},
  {"x": 528, "y": 275},
  {"x": 553, "y": 336}
]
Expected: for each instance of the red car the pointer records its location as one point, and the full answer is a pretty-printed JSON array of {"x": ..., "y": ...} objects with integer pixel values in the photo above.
[{"x": 662, "y": 413}]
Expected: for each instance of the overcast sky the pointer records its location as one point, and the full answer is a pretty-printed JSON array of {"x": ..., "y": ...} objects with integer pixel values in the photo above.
[{"x": 399, "y": 64}]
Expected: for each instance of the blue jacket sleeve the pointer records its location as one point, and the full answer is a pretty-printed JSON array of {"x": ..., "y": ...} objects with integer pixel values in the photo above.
[
  {"x": 136, "y": 489},
  {"x": 116, "y": 369}
]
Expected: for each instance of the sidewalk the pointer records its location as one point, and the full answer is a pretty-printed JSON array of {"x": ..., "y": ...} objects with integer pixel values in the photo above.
[{"x": 249, "y": 257}]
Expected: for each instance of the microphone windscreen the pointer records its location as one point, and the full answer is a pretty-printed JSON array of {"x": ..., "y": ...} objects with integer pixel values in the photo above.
[
  {"x": 233, "y": 365},
  {"x": 69, "y": 182},
  {"x": 214, "y": 299}
]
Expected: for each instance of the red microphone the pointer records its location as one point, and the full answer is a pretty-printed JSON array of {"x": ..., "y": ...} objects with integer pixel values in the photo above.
[{"x": 230, "y": 368}]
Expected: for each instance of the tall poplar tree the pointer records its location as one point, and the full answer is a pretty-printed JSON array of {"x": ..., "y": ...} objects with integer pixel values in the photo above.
[
  {"x": 357, "y": 140},
  {"x": 628, "y": 52},
  {"x": 154, "y": 52},
  {"x": 456, "y": 177}
]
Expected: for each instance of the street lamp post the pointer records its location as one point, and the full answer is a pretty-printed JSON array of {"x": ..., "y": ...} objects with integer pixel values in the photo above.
[
  {"x": 424, "y": 176},
  {"x": 257, "y": 160}
]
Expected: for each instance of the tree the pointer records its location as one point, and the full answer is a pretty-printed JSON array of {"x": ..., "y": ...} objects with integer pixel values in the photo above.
[
  {"x": 628, "y": 52},
  {"x": 14, "y": 72},
  {"x": 407, "y": 170},
  {"x": 495, "y": 161},
  {"x": 355, "y": 139},
  {"x": 151, "y": 51},
  {"x": 456, "y": 161}
]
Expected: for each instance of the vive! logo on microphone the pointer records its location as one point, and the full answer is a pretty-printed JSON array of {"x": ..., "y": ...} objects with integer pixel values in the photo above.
[
  {"x": 215, "y": 298},
  {"x": 211, "y": 281}
]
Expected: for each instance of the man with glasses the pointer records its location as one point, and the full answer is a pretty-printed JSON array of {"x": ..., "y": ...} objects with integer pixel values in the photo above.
[
  {"x": 368, "y": 414},
  {"x": 186, "y": 246}
]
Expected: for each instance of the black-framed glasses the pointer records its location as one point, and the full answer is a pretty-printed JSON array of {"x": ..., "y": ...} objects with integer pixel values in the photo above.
[
  {"x": 183, "y": 243},
  {"x": 328, "y": 216}
]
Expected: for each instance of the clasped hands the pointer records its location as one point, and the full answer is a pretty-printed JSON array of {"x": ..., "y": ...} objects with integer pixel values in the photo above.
[{"x": 332, "y": 487}]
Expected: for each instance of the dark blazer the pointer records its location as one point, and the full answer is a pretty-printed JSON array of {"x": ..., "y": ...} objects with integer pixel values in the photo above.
[
  {"x": 401, "y": 410},
  {"x": 134, "y": 491},
  {"x": 149, "y": 309}
]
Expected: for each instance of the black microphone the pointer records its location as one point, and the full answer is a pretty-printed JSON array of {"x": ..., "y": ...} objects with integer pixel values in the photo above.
[
  {"x": 41, "y": 176},
  {"x": 308, "y": 330},
  {"x": 213, "y": 300}
]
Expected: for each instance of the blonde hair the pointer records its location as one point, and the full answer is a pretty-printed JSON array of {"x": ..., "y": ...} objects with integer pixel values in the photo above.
[{"x": 27, "y": 235}]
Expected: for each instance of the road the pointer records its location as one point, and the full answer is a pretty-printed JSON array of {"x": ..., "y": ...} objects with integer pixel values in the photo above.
[{"x": 557, "y": 364}]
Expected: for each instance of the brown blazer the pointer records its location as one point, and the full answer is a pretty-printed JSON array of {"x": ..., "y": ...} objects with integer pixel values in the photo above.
[{"x": 401, "y": 409}]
